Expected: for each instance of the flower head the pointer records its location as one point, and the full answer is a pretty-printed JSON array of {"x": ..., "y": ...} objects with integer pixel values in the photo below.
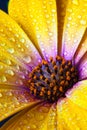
[{"x": 43, "y": 65}]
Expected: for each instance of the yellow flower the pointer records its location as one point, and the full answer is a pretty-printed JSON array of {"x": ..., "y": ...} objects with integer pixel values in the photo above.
[{"x": 36, "y": 30}]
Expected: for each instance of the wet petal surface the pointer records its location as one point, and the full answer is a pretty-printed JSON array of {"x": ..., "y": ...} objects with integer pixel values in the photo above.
[
  {"x": 39, "y": 21},
  {"x": 61, "y": 13},
  {"x": 35, "y": 118},
  {"x": 74, "y": 27},
  {"x": 70, "y": 116},
  {"x": 17, "y": 54},
  {"x": 78, "y": 94},
  {"x": 14, "y": 100}
]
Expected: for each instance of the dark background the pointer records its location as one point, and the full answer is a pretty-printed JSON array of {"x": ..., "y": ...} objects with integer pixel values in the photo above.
[{"x": 4, "y": 6}]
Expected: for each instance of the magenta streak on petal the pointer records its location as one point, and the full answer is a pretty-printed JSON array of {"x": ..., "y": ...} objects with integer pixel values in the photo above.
[{"x": 83, "y": 71}]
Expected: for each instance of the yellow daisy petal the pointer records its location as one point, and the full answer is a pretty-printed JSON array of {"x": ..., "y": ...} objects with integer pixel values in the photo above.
[
  {"x": 61, "y": 12},
  {"x": 17, "y": 53},
  {"x": 15, "y": 44},
  {"x": 39, "y": 20},
  {"x": 50, "y": 123},
  {"x": 78, "y": 94},
  {"x": 12, "y": 101},
  {"x": 74, "y": 27},
  {"x": 31, "y": 119},
  {"x": 70, "y": 116},
  {"x": 82, "y": 48}
]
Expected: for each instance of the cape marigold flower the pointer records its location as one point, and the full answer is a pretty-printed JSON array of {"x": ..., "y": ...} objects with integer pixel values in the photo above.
[{"x": 43, "y": 69}]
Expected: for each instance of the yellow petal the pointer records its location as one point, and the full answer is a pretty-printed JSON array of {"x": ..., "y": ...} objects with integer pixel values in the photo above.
[
  {"x": 78, "y": 94},
  {"x": 82, "y": 48},
  {"x": 50, "y": 123},
  {"x": 17, "y": 53},
  {"x": 74, "y": 27},
  {"x": 39, "y": 20},
  {"x": 61, "y": 12},
  {"x": 15, "y": 43},
  {"x": 12, "y": 101},
  {"x": 70, "y": 116},
  {"x": 31, "y": 119}
]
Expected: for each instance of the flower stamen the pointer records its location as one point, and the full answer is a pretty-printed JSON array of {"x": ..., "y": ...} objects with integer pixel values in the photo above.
[{"x": 51, "y": 79}]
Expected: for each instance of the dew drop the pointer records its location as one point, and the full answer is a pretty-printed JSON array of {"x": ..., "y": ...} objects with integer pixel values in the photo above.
[
  {"x": 11, "y": 50},
  {"x": 27, "y": 59},
  {"x": 22, "y": 49},
  {"x": 1, "y": 67},
  {"x": 19, "y": 45},
  {"x": 69, "y": 18},
  {"x": 17, "y": 35},
  {"x": 10, "y": 72},
  {"x": 12, "y": 39},
  {"x": 79, "y": 16},
  {"x": 48, "y": 22},
  {"x": 22, "y": 40},
  {"x": 68, "y": 25},
  {"x": 3, "y": 79},
  {"x": 9, "y": 93},
  {"x": 1, "y": 30},
  {"x": 50, "y": 33},
  {"x": 10, "y": 29},
  {"x": 17, "y": 67},
  {"x": 2, "y": 44},
  {"x": 38, "y": 36},
  {"x": 53, "y": 10},
  {"x": 65, "y": 53},
  {"x": 47, "y": 15},
  {"x": 83, "y": 22},
  {"x": 69, "y": 10},
  {"x": 75, "y": 2},
  {"x": 19, "y": 82},
  {"x": 7, "y": 61}
]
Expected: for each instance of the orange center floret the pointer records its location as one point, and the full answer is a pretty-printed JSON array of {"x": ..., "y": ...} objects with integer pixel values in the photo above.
[{"x": 51, "y": 79}]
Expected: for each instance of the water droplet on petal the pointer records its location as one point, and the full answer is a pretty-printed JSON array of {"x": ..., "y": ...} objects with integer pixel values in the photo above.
[
  {"x": 2, "y": 44},
  {"x": 53, "y": 10},
  {"x": 83, "y": 22},
  {"x": 79, "y": 16},
  {"x": 9, "y": 93},
  {"x": 75, "y": 2},
  {"x": 7, "y": 61},
  {"x": 12, "y": 39},
  {"x": 1, "y": 30},
  {"x": 11, "y": 50},
  {"x": 3, "y": 79},
  {"x": 69, "y": 18},
  {"x": 50, "y": 33},
  {"x": 69, "y": 10},
  {"x": 17, "y": 35},
  {"x": 1, "y": 67},
  {"x": 47, "y": 16},
  {"x": 10, "y": 72},
  {"x": 22, "y": 40},
  {"x": 27, "y": 59}
]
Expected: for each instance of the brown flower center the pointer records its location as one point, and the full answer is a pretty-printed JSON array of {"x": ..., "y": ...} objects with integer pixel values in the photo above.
[{"x": 51, "y": 79}]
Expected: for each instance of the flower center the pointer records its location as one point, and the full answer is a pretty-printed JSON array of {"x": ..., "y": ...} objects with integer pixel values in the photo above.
[{"x": 51, "y": 79}]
